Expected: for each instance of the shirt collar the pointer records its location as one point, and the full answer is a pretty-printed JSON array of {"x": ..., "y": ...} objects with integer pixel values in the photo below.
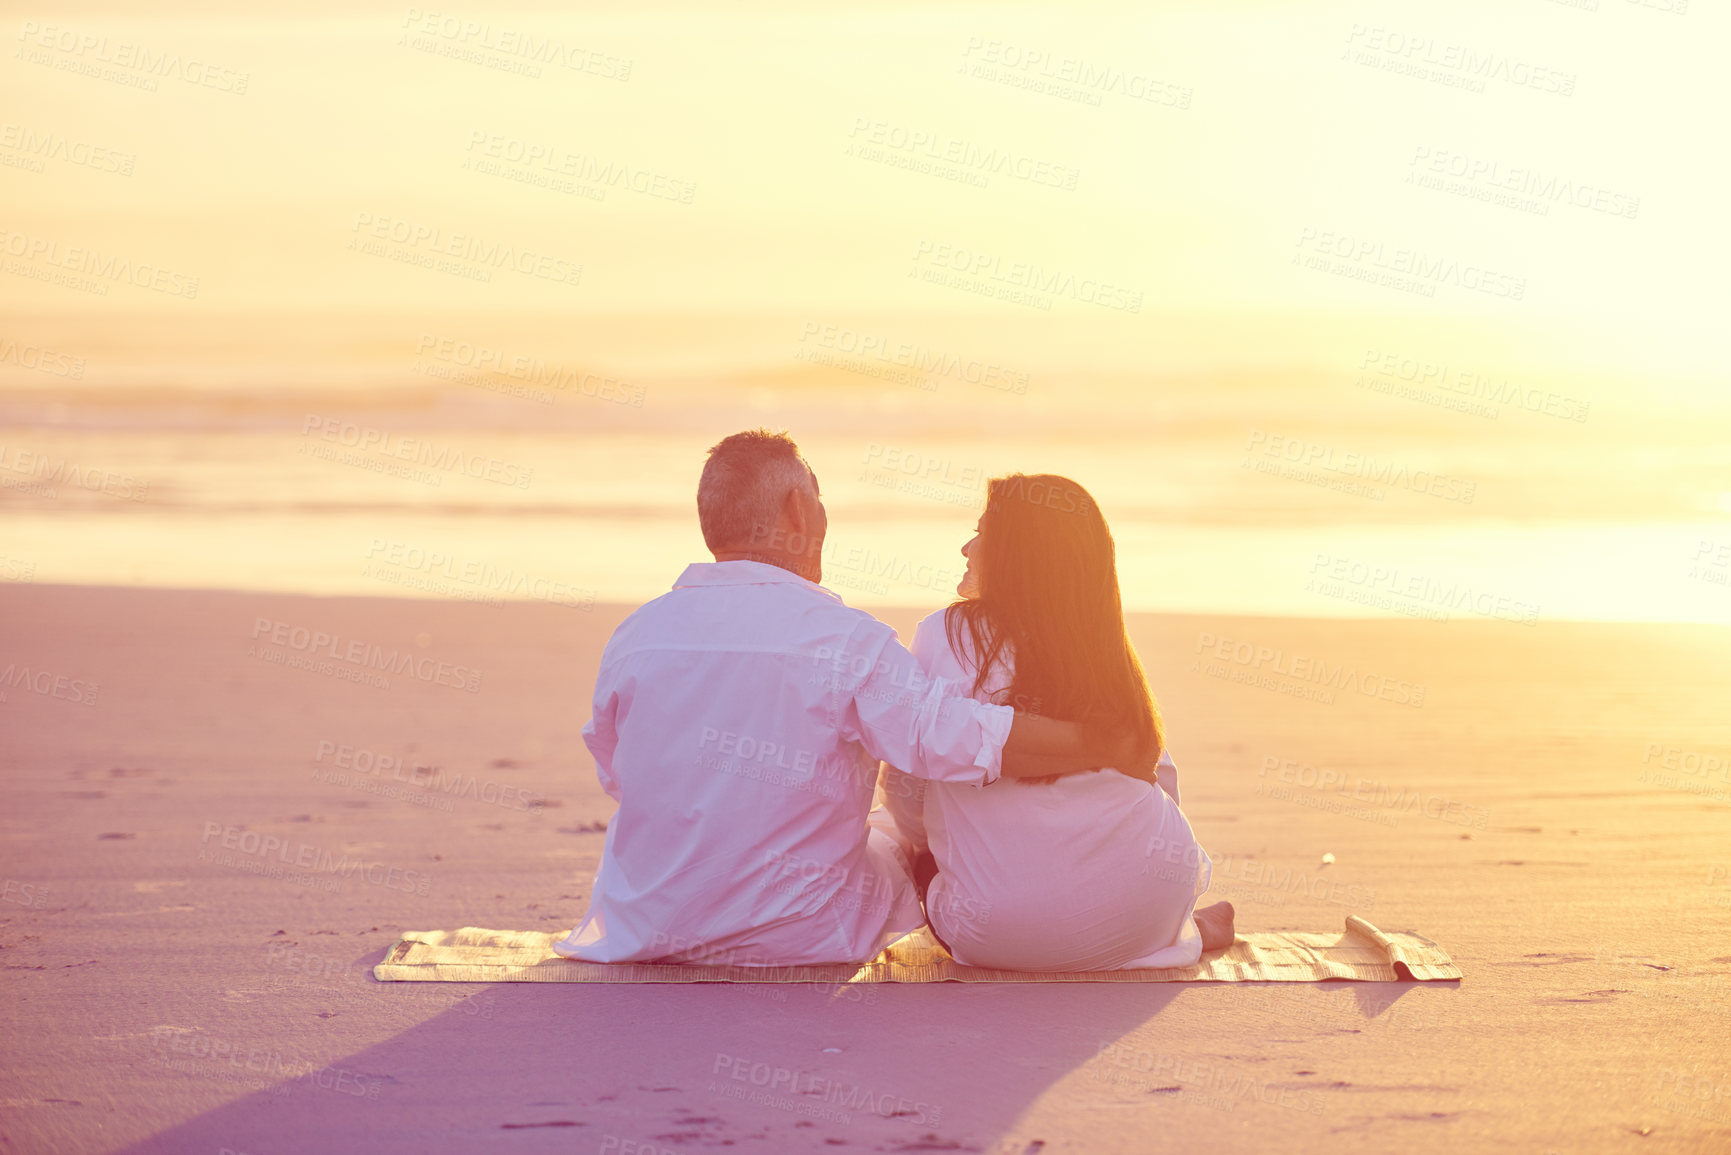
[{"x": 738, "y": 573}]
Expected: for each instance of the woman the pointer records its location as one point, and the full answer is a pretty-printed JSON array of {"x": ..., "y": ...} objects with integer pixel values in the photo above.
[{"x": 1090, "y": 872}]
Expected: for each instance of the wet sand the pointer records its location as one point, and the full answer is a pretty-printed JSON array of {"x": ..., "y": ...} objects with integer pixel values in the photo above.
[{"x": 1549, "y": 808}]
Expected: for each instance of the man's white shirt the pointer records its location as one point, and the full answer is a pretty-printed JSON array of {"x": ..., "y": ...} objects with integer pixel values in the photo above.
[{"x": 738, "y": 721}]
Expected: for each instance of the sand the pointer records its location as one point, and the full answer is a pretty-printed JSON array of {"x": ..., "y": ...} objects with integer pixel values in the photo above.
[{"x": 163, "y": 995}]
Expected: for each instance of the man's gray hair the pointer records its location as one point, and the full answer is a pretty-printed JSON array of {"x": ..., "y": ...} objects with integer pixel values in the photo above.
[{"x": 744, "y": 482}]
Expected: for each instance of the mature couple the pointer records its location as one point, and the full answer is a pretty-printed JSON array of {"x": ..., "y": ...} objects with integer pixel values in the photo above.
[{"x": 1027, "y": 808}]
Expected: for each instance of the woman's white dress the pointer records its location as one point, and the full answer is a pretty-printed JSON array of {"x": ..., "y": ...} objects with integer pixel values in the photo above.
[{"x": 1094, "y": 871}]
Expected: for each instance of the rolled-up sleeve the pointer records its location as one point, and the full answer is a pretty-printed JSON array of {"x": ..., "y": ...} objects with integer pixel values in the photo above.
[
  {"x": 1166, "y": 774},
  {"x": 923, "y": 726}
]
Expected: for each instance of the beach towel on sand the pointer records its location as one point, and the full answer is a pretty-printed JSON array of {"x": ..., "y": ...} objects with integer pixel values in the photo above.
[{"x": 1361, "y": 953}]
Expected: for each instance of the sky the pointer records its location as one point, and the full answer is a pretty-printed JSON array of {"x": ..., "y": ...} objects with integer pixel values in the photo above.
[
  {"x": 772, "y": 151},
  {"x": 1174, "y": 225}
]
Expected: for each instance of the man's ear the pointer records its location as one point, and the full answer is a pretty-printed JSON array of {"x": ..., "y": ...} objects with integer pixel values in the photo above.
[{"x": 794, "y": 511}]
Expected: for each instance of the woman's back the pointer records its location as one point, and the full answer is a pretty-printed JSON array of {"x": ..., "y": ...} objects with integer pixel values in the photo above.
[{"x": 1090, "y": 872}]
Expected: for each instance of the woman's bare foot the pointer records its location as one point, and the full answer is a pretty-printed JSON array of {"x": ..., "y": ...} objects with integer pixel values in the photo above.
[{"x": 1215, "y": 923}]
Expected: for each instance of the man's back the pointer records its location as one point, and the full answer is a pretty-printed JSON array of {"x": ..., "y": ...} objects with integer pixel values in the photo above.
[{"x": 738, "y": 721}]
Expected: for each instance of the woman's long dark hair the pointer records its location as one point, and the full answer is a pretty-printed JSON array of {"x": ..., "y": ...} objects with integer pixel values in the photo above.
[{"x": 1048, "y": 595}]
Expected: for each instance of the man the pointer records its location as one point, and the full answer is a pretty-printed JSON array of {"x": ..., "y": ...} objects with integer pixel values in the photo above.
[{"x": 739, "y": 721}]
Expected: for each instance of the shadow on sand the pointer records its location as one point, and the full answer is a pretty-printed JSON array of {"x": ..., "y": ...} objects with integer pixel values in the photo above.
[
  {"x": 794, "y": 1067},
  {"x": 649, "y": 1070}
]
